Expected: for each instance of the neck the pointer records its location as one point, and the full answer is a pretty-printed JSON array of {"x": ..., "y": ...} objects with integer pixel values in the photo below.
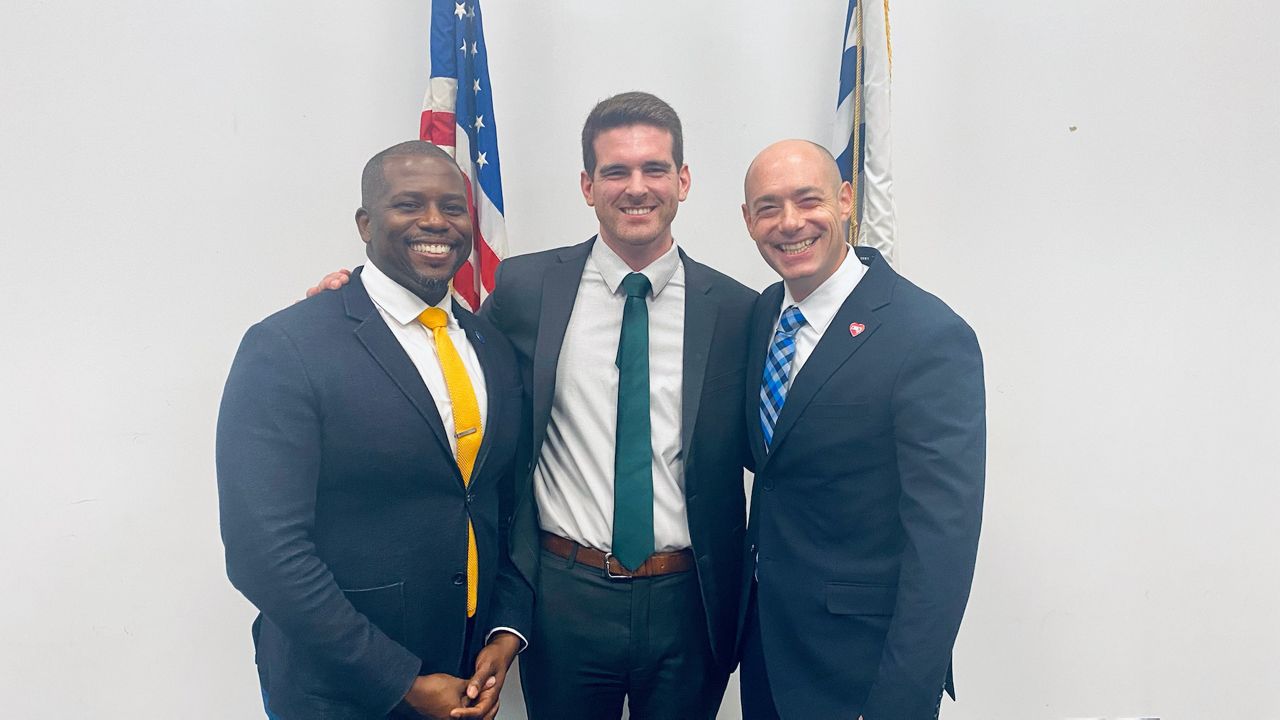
[
  {"x": 801, "y": 288},
  {"x": 432, "y": 296},
  {"x": 639, "y": 257}
]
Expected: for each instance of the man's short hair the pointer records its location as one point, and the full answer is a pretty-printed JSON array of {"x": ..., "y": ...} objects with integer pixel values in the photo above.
[
  {"x": 373, "y": 183},
  {"x": 624, "y": 110}
]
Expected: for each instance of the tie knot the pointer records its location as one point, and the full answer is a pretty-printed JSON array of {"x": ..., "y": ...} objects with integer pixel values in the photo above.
[
  {"x": 636, "y": 285},
  {"x": 433, "y": 317},
  {"x": 792, "y": 320}
]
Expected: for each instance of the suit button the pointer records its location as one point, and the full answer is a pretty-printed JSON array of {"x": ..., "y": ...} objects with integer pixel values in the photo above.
[
  {"x": 768, "y": 484},
  {"x": 471, "y": 498},
  {"x": 752, "y": 550},
  {"x": 459, "y": 578}
]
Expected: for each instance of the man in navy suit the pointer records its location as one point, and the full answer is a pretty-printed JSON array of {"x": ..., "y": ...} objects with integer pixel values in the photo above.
[
  {"x": 357, "y": 515},
  {"x": 869, "y": 439}
]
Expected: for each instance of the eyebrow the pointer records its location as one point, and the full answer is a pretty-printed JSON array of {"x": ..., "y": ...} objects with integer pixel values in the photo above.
[
  {"x": 416, "y": 195},
  {"x": 646, "y": 165}
]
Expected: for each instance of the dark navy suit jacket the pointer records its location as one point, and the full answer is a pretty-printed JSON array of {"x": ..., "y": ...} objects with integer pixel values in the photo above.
[
  {"x": 866, "y": 508},
  {"x": 343, "y": 511},
  {"x": 532, "y": 302}
]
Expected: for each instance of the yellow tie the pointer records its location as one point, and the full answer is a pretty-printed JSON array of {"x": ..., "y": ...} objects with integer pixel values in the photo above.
[{"x": 466, "y": 427}]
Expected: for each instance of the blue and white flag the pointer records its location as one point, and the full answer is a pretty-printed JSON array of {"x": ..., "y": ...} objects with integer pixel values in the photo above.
[{"x": 861, "y": 144}]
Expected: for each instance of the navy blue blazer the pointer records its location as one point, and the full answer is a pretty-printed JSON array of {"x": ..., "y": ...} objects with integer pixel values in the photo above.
[
  {"x": 865, "y": 510},
  {"x": 532, "y": 301},
  {"x": 343, "y": 511}
]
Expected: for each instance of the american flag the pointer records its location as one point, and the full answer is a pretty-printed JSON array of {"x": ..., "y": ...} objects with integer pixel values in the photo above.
[
  {"x": 457, "y": 115},
  {"x": 861, "y": 144}
]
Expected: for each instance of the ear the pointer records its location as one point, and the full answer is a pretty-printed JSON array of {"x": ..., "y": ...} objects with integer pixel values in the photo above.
[
  {"x": 846, "y": 201},
  {"x": 746, "y": 216},
  {"x": 684, "y": 182},
  {"x": 362, "y": 224},
  {"x": 585, "y": 181}
]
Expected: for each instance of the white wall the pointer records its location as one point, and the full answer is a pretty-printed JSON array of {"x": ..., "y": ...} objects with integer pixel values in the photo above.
[{"x": 173, "y": 171}]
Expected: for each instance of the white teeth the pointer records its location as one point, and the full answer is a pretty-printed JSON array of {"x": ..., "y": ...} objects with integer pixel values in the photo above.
[
  {"x": 637, "y": 211},
  {"x": 430, "y": 248},
  {"x": 793, "y": 248}
]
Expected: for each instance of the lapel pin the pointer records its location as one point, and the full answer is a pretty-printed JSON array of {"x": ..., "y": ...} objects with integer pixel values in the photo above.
[
  {"x": 479, "y": 337},
  {"x": 855, "y": 329}
]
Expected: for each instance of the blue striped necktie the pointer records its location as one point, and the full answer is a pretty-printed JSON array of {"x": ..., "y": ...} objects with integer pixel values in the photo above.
[{"x": 777, "y": 368}]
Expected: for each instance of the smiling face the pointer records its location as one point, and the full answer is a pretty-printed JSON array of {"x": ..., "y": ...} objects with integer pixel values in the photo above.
[
  {"x": 417, "y": 229},
  {"x": 635, "y": 189},
  {"x": 796, "y": 209}
]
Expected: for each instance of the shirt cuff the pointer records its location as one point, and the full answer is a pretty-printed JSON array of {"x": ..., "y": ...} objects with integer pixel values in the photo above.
[{"x": 523, "y": 642}]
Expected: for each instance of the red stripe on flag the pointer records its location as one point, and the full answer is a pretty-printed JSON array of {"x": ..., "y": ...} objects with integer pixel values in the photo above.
[
  {"x": 437, "y": 127},
  {"x": 464, "y": 282},
  {"x": 488, "y": 262},
  {"x": 464, "y": 286}
]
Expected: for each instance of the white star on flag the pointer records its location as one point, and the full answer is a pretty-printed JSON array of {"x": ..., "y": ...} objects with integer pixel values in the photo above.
[
  {"x": 477, "y": 86},
  {"x": 473, "y": 48},
  {"x": 481, "y": 160},
  {"x": 460, "y": 9},
  {"x": 479, "y": 121}
]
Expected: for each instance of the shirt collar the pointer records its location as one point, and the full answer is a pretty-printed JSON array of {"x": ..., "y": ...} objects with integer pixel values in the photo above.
[
  {"x": 613, "y": 268},
  {"x": 397, "y": 301},
  {"x": 821, "y": 305}
]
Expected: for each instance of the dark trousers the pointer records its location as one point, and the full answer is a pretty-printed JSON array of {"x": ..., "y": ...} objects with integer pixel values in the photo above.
[
  {"x": 597, "y": 641},
  {"x": 757, "y": 699}
]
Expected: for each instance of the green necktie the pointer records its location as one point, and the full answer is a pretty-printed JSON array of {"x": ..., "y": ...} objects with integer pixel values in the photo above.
[{"x": 633, "y": 454}]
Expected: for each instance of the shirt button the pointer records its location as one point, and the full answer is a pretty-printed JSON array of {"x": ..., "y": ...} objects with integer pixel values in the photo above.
[{"x": 459, "y": 578}]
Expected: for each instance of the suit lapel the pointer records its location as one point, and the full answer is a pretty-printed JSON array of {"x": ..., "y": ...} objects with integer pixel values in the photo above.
[
  {"x": 838, "y": 343},
  {"x": 762, "y": 325},
  {"x": 376, "y": 337},
  {"x": 492, "y": 384},
  {"x": 559, "y": 291},
  {"x": 699, "y": 326}
]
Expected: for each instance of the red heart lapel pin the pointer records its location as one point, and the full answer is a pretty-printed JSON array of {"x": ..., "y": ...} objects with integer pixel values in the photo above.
[{"x": 855, "y": 329}]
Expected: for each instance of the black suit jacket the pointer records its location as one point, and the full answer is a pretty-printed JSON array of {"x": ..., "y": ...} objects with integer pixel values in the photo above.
[
  {"x": 865, "y": 510},
  {"x": 533, "y": 298},
  {"x": 343, "y": 511}
]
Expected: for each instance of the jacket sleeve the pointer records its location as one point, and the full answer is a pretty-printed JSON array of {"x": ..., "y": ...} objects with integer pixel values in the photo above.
[
  {"x": 513, "y": 595},
  {"x": 939, "y": 425},
  {"x": 268, "y": 458}
]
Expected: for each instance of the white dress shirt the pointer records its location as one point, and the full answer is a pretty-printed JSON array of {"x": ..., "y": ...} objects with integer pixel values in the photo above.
[
  {"x": 820, "y": 308},
  {"x": 400, "y": 309},
  {"x": 573, "y": 480}
]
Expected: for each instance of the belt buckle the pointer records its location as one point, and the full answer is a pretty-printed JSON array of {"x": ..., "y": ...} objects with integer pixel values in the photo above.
[{"x": 608, "y": 572}]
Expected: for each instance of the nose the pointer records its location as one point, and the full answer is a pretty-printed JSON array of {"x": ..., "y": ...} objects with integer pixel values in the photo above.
[
  {"x": 635, "y": 184},
  {"x": 791, "y": 220},
  {"x": 432, "y": 219}
]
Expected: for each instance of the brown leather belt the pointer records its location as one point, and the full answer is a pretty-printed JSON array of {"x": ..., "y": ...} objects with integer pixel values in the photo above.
[{"x": 663, "y": 563}]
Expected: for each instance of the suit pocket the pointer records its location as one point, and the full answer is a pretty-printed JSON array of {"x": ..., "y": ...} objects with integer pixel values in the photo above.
[
  {"x": 861, "y": 599},
  {"x": 836, "y": 411},
  {"x": 383, "y": 605}
]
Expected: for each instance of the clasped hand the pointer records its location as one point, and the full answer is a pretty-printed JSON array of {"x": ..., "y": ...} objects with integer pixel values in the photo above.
[{"x": 441, "y": 696}]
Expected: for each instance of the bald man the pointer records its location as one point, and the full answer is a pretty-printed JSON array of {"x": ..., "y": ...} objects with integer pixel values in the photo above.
[{"x": 869, "y": 438}]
